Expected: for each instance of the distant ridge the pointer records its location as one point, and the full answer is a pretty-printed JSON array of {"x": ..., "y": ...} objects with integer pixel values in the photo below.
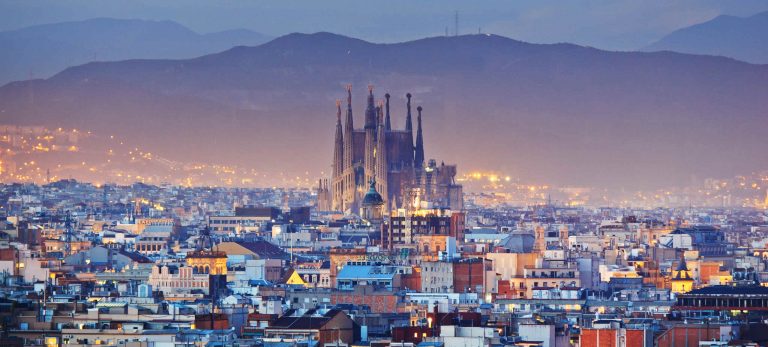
[
  {"x": 43, "y": 50},
  {"x": 561, "y": 114},
  {"x": 742, "y": 38}
]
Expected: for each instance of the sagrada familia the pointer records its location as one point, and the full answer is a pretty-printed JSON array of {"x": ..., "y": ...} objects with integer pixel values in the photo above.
[{"x": 387, "y": 160}]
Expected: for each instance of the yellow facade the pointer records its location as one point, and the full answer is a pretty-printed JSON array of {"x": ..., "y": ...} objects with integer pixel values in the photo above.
[
  {"x": 208, "y": 262},
  {"x": 681, "y": 281},
  {"x": 295, "y": 279}
]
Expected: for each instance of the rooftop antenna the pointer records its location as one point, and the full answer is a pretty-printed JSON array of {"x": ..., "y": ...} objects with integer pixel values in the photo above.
[{"x": 456, "y": 23}]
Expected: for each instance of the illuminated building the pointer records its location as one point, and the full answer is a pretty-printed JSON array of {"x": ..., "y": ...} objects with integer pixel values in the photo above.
[
  {"x": 245, "y": 219},
  {"x": 177, "y": 279},
  {"x": 143, "y": 223},
  {"x": 403, "y": 227},
  {"x": 293, "y": 278},
  {"x": 373, "y": 204},
  {"x": 609, "y": 333},
  {"x": 338, "y": 257},
  {"x": 390, "y": 158},
  {"x": 154, "y": 234},
  {"x": 724, "y": 298},
  {"x": 316, "y": 274},
  {"x": 207, "y": 261},
  {"x": 681, "y": 281}
]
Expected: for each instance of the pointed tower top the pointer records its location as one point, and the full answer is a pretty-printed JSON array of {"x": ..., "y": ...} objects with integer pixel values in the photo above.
[
  {"x": 683, "y": 266},
  {"x": 349, "y": 96},
  {"x": 408, "y": 121},
  {"x": 338, "y": 110},
  {"x": 370, "y": 111},
  {"x": 387, "y": 122},
  {"x": 419, "y": 154}
]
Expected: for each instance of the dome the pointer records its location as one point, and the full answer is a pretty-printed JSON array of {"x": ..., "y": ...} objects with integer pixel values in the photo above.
[{"x": 372, "y": 197}]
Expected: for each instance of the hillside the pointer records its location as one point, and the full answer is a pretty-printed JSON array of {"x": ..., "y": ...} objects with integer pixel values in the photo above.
[
  {"x": 560, "y": 113},
  {"x": 43, "y": 50},
  {"x": 740, "y": 38}
]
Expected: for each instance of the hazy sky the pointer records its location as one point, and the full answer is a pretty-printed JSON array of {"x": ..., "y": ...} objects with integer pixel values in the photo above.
[{"x": 608, "y": 24}]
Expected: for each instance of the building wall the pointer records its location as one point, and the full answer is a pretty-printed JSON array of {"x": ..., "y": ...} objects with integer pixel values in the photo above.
[
  {"x": 340, "y": 327},
  {"x": 184, "y": 281},
  {"x": 339, "y": 258},
  {"x": 615, "y": 338},
  {"x": 538, "y": 332},
  {"x": 598, "y": 338},
  {"x": 687, "y": 336},
  {"x": 214, "y": 263},
  {"x": 511, "y": 265},
  {"x": 468, "y": 277},
  {"x": 707, "y": 269},
  {"x": 143, "y": 223},
  {"x": 379, "y": 302},
  {"x": 436, "y": 277},
  {"x": 430, "y": 246}
]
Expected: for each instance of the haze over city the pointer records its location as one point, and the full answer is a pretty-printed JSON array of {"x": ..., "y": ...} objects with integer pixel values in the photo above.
[{"x": 180, "y": 173}]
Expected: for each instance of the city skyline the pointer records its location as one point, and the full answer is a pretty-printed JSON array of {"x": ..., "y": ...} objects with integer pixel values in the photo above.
[
  {"x": 540, "y": 128},
  {"x": 196, "y": 173}
]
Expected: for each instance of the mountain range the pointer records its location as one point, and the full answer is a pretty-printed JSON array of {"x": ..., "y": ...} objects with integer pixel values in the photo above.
[
  {"x": 548, "y": 113},
  {"x": 43, "y": 50},
  {"x": 742, "y": 38}
]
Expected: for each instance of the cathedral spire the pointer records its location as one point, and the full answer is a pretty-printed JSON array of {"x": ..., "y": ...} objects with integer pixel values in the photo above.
[
  {"x": 338, "y": 145},
  {"x": 349, "y": 97},
  {"x": 381, "y": 169},
  {"x": 387, "y": 122},
  {"x": 348, "y": 137},
  {"x": 370, "y": 111},
  {"x": 380, "y": 113},
  {"x": 408, "y": 121},
  {"x": 419, "y": 156},
  {"x": 349, "y": 126}
]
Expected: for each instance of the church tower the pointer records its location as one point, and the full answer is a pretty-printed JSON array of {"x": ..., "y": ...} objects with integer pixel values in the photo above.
[
  {"x": 370, "y": 137},
  {"x": 337, "y": 182},
  {"x": 381, "y": 155},
  {"x": 387, "y": 121},
  {"x": 389, "y": 157},
  {"x": 348, "y": 176},
  {"x": 419, "y": 155},
  {"x": 681, "y": 281},
  {"x": 409, "y": 127}
]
